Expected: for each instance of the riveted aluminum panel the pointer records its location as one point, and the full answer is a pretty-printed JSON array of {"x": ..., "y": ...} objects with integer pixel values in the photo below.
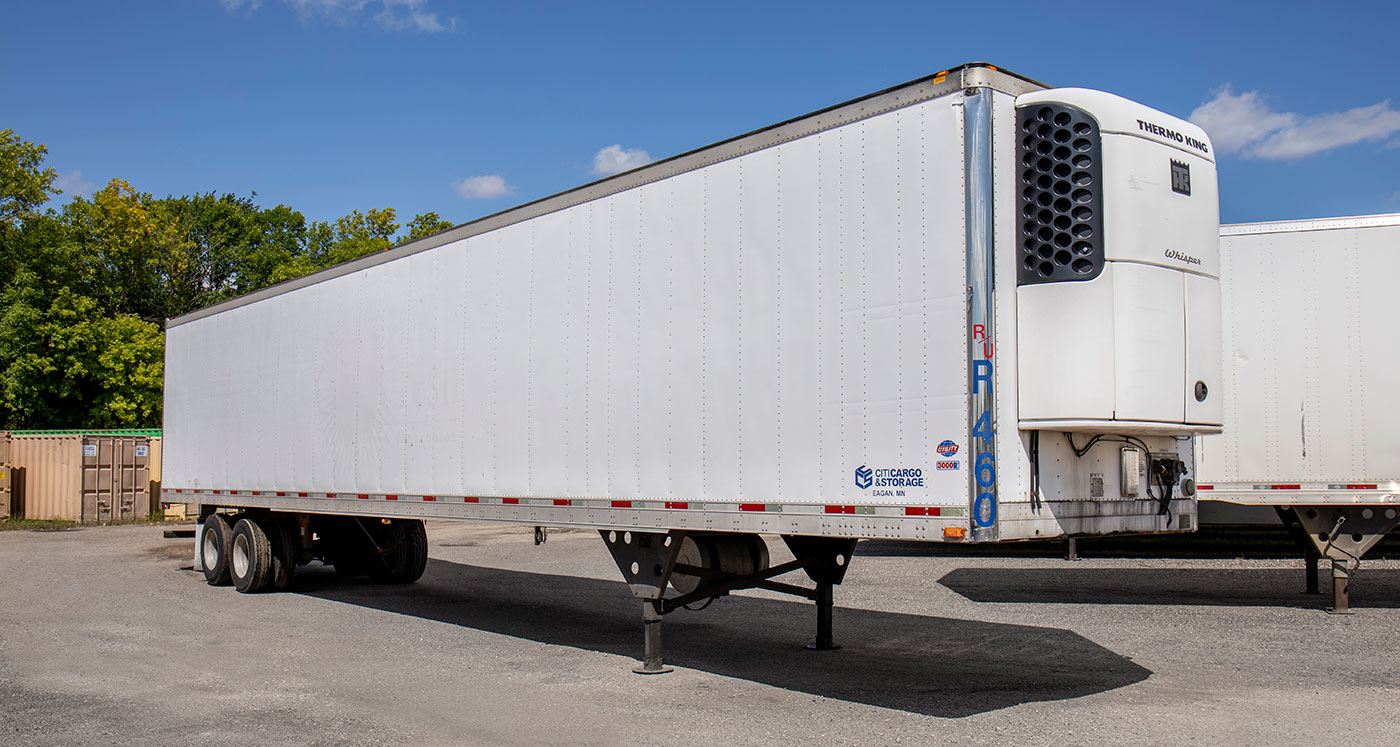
[
  {"x": 756, "y": 329},
  {"x": 1310, "y": 358}
]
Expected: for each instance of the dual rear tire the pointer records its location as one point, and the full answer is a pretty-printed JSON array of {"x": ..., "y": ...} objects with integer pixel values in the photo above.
[
  {"x": 252, "y": 554},
  {"x": 260, "y": 554}
]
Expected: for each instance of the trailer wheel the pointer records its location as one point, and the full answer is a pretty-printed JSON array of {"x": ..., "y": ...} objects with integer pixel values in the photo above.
[
  {"x": 286, "y": 546},
  {"x": 250, "y": 557},
  {"x": 405, "y": 554},
  {"x": 214, "y": 546}
]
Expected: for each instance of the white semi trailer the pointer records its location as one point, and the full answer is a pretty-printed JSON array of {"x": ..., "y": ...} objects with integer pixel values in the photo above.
[
  {"x": 963, "y": 309},
  {"x": 1310, "y": 353}
]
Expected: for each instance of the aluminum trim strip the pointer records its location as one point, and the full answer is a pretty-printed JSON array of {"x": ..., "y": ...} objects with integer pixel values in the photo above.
[
  {"x": 1311, "y": 224},
  {"x": 981, "y": 314}
]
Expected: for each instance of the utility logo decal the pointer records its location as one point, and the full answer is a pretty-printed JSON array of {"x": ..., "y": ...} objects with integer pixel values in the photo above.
[{"x": 947, "y": 448}]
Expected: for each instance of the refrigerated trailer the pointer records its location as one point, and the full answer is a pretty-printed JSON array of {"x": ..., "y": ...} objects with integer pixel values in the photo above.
[
  {"x": 964, "y": 309},
  {"x": 1310, "y": 353}
]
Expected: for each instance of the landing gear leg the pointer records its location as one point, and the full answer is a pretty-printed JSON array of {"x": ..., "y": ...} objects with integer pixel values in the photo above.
[
  {"x": 651, "y": 639},
  {"x": 1343, "y": 534},
  {"x": 647, "y": 559},
  {"x": 1341, "y": 588},
  {"x": 1291, "y": 522},
  {"x": 825, "y": 559}
]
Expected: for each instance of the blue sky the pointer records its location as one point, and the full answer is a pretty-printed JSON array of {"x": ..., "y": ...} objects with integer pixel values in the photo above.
[{"x": 468, "y": 108}]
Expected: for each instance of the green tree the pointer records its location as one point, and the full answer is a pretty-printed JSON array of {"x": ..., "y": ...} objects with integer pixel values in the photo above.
[
  {"x": 426, "y": 224},
  {"x": 24, "y": 184}
]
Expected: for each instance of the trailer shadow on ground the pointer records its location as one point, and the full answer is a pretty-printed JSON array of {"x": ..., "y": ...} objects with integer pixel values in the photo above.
[
  {"x": 1235, "y": 587},
  {"x": 927, "y": 665}
]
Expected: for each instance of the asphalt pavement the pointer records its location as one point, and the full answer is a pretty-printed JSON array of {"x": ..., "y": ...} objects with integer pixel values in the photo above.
[{"x": 108, "y": 637}]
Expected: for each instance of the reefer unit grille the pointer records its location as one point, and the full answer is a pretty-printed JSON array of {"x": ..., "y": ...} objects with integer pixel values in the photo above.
[{"x": 1061, "y": 201}]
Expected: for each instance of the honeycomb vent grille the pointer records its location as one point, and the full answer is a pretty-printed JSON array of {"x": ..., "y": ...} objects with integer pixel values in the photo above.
[{"x": 1061, "y": 198}]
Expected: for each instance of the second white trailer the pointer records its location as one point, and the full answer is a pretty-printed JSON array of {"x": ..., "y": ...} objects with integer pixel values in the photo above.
[{"x": 1311, "y": 355}]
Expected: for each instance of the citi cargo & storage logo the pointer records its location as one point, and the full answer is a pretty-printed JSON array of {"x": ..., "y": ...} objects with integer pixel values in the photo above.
[{"x": 889, "y": 477}]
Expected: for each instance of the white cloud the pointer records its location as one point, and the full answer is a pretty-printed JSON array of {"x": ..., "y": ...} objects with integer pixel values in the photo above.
[
  {"x": 73, "y": 183},
  {"x": 390, "y": 15},
  {"x": 484, "y": 187},
  {"x": 1243, "y": 123},
  {"x": 408, "y": 15},
  {"x": 234, "y": 6},
  {"x": 615, "y": 159}
]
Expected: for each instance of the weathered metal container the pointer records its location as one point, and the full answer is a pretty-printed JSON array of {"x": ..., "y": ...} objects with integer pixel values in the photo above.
[
  {"x": 92, "y": 478},
  {"x": 5, "y": 504}
]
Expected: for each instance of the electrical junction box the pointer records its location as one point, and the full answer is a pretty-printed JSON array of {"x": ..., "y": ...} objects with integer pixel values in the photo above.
[{"x": 1118, "y": 275}]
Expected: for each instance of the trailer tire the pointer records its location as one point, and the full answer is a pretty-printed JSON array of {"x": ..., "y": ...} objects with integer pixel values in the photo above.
[
  {"x": 214, "y": 550},
  {"x": 250, "y": 557},
  {"x": 405, "y": 555},
  {"x": 286, "y": 546}
]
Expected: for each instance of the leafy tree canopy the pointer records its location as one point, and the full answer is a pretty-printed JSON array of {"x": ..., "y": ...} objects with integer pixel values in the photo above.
[{"x": 85, "y": 288}]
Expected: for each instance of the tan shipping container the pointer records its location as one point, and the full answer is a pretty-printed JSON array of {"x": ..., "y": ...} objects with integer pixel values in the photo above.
[
  {"x": 90, "y": 478},
  {"x": 5, "y": 504}
]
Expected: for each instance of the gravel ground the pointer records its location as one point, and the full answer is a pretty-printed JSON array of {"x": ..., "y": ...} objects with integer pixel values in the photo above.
[{"x": 107, "y": 637}]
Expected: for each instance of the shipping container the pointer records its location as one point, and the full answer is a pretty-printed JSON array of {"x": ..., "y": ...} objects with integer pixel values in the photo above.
[
  {"x": 5, "y": 504},
  {"x": 92, "y": 478},
  {"x": 1310, "y": 355},
  {"x": 964, "y": 309}
]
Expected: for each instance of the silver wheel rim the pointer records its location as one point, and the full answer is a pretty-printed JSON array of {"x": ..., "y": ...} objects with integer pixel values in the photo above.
[
  {"x": 240, "y": 556},
  {"x": 211, "y": 550}
]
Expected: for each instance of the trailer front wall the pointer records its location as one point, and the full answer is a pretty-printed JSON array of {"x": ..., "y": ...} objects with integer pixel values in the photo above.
[
  {"x": 1310, "y": 359},
  {"x": 758, "y": 330}
]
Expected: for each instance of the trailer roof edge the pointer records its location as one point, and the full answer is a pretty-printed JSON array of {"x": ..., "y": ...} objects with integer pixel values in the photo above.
[
  {"x": 1311, "y": 224},
  {"x": 971, "y": 75}
]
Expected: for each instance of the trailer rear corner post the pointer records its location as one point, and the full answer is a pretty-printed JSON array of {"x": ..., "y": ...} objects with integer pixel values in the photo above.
[{"x": 649, "y": 559}]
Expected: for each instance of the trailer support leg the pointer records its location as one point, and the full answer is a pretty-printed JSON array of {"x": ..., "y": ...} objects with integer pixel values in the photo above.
[
  {"x": 825, "y": 560},
  {"x": 1341, "y": 583},
  {"x": 1310, "y": 568},
  {"x": 1343, "y": 534},
  {"x": 825, "y": 601},
  {"x": 1072, "y": 551},
  {"x": 651, "y": 639},
  {"x": 646, "y": 560},
  {"x": 1293, "y": 524}
]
